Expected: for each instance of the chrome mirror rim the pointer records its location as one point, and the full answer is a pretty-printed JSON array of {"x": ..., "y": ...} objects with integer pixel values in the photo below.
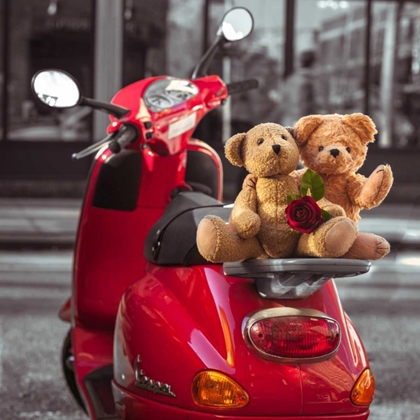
[
  {"x": 229, "y": 32},
  {"x": 52, "y": 100}
]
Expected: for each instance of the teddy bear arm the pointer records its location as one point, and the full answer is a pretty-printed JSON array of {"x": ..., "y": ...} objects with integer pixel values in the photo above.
[
  {"x": 297, "y": 175},
  {"x": 250, "y": 181},
  {"x": 354, "y": 189},
  {"x": 244, "y": 218},
  {"x": 376, "y": 187},
  {"x": 333, "y": 209}
]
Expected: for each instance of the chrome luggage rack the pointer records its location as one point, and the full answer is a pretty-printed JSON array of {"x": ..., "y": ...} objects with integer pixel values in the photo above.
[{"x": 294, "y": 278}]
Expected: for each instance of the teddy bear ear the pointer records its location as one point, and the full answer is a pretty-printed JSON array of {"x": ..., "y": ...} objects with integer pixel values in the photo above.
[
  {"x": 291, "y": 130},
  {"x": 233, "y": 149},
  {"x": 305, "y": 127},
  {"x": 362, "y": 125}
]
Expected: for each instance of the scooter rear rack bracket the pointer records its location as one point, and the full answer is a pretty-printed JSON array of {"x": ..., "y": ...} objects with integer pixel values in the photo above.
[{"x": 294, "y": 278}]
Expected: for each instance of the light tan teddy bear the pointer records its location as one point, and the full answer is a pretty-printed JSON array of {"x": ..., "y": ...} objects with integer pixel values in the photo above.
[
  {"x": 335, "y": 147},
  {"x": 258, "y": 227}
]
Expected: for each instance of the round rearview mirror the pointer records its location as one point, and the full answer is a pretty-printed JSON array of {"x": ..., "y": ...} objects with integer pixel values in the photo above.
[
  {"x": 237, "y": 24},
  {"x": 56, "y": 88}
]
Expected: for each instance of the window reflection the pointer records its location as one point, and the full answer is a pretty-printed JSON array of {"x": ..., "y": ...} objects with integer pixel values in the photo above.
[
  {"x": 329, "y": 62},
  {"x": 144, "y": 39},
  {"x": 259, "y": 56},
  {"x": 336, "y": 36},
  {"x": 398, "y": 67},
  {"x": 1, "y": 67},
  {"x": 45, "y": 34}
]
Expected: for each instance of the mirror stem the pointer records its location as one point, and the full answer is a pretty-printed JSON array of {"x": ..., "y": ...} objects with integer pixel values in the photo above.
[
  {"x": 115, "y": 110},
  {"x": 204, "y": 63}
]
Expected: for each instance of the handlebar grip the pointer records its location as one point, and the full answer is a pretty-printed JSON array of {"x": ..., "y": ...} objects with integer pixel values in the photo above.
[
  {"x": 236, "y": 87},
  {"x": 127, "y": 134}
]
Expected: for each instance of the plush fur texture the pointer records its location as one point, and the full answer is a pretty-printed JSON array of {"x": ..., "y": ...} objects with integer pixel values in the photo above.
[
  {"x": 335, "y": 146},
  {"x": 258, "y": 227}
]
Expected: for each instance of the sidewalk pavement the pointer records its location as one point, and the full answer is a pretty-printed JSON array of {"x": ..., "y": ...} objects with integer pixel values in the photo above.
[
  {"x": 52, "y": 223},
  {"x": 38, "y": 222}
]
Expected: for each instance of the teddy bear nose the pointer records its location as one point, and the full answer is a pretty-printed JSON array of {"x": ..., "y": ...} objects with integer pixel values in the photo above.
[
  {"x": 335, "y": 152},
  {"x": 276, "y": 148}
]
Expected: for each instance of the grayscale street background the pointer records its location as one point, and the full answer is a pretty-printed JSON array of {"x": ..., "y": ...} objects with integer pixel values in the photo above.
[
  {"x": 384, "y": 304},
  {"x": 365, "y": 57}
]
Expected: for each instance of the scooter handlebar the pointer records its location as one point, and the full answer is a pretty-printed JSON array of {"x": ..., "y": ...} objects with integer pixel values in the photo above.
[
  {"x": 236, "y": 87},
  {"x": 127, "y": 134}
]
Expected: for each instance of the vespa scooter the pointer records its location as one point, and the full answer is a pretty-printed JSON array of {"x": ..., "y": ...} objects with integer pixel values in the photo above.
[{"x": 156, "y": 331}]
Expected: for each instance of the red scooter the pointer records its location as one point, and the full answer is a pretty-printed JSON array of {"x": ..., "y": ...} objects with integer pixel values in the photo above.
[{"x": 156, "y": 331}]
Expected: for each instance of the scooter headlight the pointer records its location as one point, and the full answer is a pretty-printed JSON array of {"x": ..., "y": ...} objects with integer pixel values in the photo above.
[{"x": 217, "y": 390}]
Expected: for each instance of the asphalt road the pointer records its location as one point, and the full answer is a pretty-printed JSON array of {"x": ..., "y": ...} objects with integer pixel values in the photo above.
[{"x": 384, "y": 305}]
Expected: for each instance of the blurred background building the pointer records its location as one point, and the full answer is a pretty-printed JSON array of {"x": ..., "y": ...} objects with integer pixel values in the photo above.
[{"x": 310, "y": 56}]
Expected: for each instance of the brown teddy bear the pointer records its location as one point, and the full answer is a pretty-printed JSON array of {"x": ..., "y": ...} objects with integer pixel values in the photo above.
[
  {"x": 335, "y": 147},
  {"x": 258, "y": 227}
]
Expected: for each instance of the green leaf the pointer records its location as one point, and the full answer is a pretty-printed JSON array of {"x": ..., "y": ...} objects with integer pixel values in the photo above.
[
  {"x": 325, "y": 215},
  {"x": 314, "y": 182},
  {"x": 292, "y": 197}
]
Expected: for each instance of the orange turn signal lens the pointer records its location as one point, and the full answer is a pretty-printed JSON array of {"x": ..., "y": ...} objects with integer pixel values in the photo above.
[
  {"x": 214, "y": 389},
  {"x": 364, "y": 389}
]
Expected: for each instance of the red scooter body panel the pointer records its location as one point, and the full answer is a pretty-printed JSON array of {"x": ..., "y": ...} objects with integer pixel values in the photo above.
[
  {"x": 184, "y": 320},
  {"x": 187, "y": 319},
  {"x": 327, "y": 385}
]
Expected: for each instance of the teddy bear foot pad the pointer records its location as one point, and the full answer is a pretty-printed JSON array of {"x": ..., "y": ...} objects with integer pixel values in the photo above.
[{"x": 294, "y": 278}]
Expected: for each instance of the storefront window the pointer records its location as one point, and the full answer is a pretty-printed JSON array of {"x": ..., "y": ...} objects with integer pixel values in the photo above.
[
  {"x": 2, "y": 20},
  {"x": 329, "y": 59},
  {"x": 259, "y": 56},
  {"x": 42, "y": 34},
  {"x": 395, "y": 82},
  {"x": 144, "y": 39}
]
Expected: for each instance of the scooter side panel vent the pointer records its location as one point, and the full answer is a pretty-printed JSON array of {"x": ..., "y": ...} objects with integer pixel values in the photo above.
[
  {"x": 98, "y": 385},
  {"x": 117, "y": 186},
  {"x": 294, "y": 278}
]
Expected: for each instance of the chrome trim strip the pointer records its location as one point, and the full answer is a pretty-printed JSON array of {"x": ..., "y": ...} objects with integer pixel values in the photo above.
[{"x": 144, "y": 382}]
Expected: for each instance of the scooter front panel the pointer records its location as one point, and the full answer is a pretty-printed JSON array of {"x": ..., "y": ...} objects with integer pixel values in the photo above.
[{"x": 110, "y": 241}]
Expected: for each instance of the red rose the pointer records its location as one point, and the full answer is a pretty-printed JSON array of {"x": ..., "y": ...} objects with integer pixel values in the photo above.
[{"x": 304, "y": 214}]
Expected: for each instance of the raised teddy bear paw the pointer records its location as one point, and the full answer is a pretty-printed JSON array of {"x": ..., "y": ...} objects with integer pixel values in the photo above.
[{"x": 376, "y": 187}]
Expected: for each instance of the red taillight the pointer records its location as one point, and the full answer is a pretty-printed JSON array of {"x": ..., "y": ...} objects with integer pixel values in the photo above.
[{"x": 294, "y": 335}]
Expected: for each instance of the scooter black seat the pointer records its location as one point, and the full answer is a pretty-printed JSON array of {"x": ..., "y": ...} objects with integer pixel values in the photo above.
[{"x": 172, "y": 240}]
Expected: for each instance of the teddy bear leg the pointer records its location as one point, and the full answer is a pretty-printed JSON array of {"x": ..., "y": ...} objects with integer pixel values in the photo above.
[
  {"x": 368, "y": 246},
  {"x": 330, "y": 240},
  {"x": 217, "y": 243}
]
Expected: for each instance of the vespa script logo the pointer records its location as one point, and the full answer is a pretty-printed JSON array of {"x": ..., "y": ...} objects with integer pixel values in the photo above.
[{"x": 144, "y": 382}]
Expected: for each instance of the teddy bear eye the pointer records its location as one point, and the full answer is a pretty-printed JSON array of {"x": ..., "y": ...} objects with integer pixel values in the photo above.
[
  {"x": 260, "y": 141},
  {"x": 321, "y": 148},
  {"x": 283, "y": 137},
  {"x": 348, "y": 149}
]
